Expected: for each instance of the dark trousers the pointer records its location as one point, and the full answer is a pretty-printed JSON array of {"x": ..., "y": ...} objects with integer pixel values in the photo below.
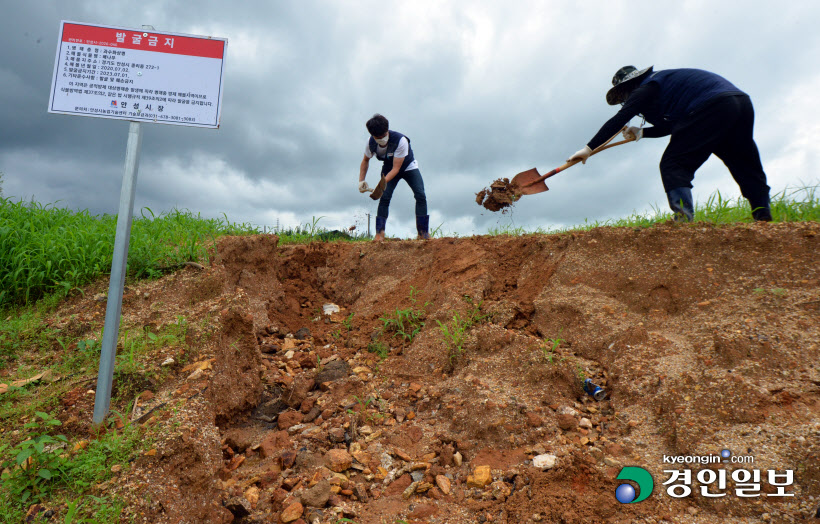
[
  {"x": 413, "y": 179},
  {"x": 724, "y": 127}
]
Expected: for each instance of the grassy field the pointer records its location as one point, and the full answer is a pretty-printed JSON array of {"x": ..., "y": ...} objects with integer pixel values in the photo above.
[
  {"x": 790, "y": 205},
  {"x": 44, "y": 249}
]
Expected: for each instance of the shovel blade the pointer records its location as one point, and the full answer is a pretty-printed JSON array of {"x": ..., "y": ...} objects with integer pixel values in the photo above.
[{"x": 527, "y": 183}]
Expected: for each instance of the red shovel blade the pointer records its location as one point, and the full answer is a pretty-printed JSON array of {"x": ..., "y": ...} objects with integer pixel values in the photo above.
[{"x": 528, "y": 183}]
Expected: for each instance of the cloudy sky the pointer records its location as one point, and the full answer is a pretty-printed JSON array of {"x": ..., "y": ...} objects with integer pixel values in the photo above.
[{"x": 484, "y": 89}]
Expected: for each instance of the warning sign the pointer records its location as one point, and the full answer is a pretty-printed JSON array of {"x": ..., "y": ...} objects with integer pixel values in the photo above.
[{"x": 138, "y": 74}]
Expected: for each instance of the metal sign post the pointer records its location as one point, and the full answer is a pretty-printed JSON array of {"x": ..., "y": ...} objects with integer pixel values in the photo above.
[
  {"x": 139, "y": 75},
  {"x": 113, "y": 309}
]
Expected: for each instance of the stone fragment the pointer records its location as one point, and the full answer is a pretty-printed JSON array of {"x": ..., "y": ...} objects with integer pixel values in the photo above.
[
  {"x": 252, "y": 496},
  {"x": 239, "y": 506},
  {"x": 317, "y": 496},
  {"x": 273, "y": 443},
  {"x": 288, "y": 458},
  {"x": 481, "y": 477},
  {"x": 585, "y": 423},
  {"x": 500, "y": 490},
  {"x": 336, "y": 435},
  {"x": 360, "y": 492},
  {"x": 458, "y": 459},
  {"x": 398, "y": 485},
  {"x": 312, "y": 415},
  {"x": 544, "y": 461},
  {"x": 292, "y": 512},
  {"x": 566, "y": 421},
  {"x": 338, "y": 369},
  {"x": 443, "y": 484},
  {"x": 533, "y": 420},
  {"x": 289, "y": 418},
  {"x": 446, "y": 455},
  {"x": 338, "y": 460}
]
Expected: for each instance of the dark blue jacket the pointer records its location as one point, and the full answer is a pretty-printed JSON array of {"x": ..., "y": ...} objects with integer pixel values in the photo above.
[
  {"x": 665, "y": 98},
  {"x": 682, "y": 92},
  {"x": 387, "y": 157}
]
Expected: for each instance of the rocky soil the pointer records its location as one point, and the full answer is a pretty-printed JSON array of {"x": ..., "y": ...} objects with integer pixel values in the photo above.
[{"x": 704, "y": 338}]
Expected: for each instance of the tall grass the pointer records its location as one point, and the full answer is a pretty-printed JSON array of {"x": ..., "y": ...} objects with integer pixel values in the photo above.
[
  {"x": 45, "y": 249},
  {"x": 790, "y": 205},
  {"x": 312, "y": 232}
]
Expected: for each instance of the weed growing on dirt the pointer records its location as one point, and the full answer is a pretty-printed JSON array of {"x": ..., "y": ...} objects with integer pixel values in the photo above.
[
  {"x": 98, "y": 511},
  {"x": 348, "y": 322},
  {"x": 23, "y": 329},
  {"x": 44, "y": 467},
  {"x": 406, "y": 323},
  {"x": 454, "y": 332},
  {"x": 550, "y": 345},
  {"x": 35, "y": 464},
  {"x": 379, "y": 348},
  {"x": 777, "y": 292},
  {"x": 44, "y": 249},
  {"x": 134, "y": 370}
]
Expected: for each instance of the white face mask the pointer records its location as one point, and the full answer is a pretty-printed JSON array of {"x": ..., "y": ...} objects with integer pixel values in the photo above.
[{"x": 382, "y": 141}]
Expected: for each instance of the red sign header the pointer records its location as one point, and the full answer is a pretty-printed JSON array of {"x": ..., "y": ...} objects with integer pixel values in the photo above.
[{"x": 145, "y": 40}]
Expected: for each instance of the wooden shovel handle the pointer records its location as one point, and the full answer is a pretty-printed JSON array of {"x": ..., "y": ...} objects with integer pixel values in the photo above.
[{"x": 602, "y": 147}]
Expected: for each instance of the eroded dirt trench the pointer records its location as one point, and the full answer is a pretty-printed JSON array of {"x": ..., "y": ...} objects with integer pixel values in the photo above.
[{"x": 704, "y": 339}]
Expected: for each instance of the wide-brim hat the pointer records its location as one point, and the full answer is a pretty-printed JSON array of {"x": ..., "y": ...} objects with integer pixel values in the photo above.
[{"x": 625, "y": 79}]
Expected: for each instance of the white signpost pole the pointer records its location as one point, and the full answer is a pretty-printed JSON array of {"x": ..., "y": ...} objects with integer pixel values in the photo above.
[
  {"x": 140, "y": 76},
  {"x": 113, "y": 309}
]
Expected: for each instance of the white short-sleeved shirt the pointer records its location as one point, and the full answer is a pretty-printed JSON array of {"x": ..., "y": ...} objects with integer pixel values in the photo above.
[{"x": 402, "y": 151}]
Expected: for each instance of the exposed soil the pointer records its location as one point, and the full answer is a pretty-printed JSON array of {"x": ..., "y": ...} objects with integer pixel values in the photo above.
[
  {"x": 499, "y": 196},
  {"x": 704, "y": 338}
]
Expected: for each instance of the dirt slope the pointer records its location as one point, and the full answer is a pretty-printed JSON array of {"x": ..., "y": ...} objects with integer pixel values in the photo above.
[{"x": 705, "y": 338}]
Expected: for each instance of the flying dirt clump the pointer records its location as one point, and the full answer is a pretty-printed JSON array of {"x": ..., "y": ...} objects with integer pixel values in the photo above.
[{"x": 499, "y": 196}]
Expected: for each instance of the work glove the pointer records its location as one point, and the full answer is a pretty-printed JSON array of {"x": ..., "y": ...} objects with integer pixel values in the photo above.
[
  {"x": 364, "y": 188},
  {"x": 377, "y": 193},
  {"x": 633, "y": 132},
  {"x": 581, "y": 155}
]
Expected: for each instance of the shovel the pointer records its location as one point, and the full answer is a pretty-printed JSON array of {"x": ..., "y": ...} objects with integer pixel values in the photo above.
[{"x": 530, "y": 182}]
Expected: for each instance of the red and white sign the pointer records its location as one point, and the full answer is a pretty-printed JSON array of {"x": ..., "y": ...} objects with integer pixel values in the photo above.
[{"x": 138, "y": 74}]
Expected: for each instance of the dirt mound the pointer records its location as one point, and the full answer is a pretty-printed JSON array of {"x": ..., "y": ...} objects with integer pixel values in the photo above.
[
  {"x": 704, "y": 338},
  {"x": 500, "y": 195}
]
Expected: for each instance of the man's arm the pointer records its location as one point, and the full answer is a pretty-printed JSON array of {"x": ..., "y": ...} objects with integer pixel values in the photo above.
[
  {"x": 363, "y": 168},
  {"x": 637, "y": 101},
  {"x": 397, "y": 162},
  {"x": 402, "y": 150}
]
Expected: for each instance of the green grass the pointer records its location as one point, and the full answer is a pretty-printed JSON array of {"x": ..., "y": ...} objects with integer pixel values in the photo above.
[
  {"x": 406, "y": 323},
  {"x": 312, "y": 232},
  {"x": 790, "y": 205},
  {"x": 454, "y": 331},
  {"x": 44, "y": 467},
  {"x": 45, "y": 249}
]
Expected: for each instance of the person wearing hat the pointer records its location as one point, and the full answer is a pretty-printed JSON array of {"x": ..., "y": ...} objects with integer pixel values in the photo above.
[
  {"x": 399, "y": 163},
  {"x": 704, "y": 114}
]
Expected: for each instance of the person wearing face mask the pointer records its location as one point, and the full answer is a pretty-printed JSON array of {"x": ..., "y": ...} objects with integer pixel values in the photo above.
[
  {"x": 399, "y": 163},
  {"x": 703, "y": 114}
]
